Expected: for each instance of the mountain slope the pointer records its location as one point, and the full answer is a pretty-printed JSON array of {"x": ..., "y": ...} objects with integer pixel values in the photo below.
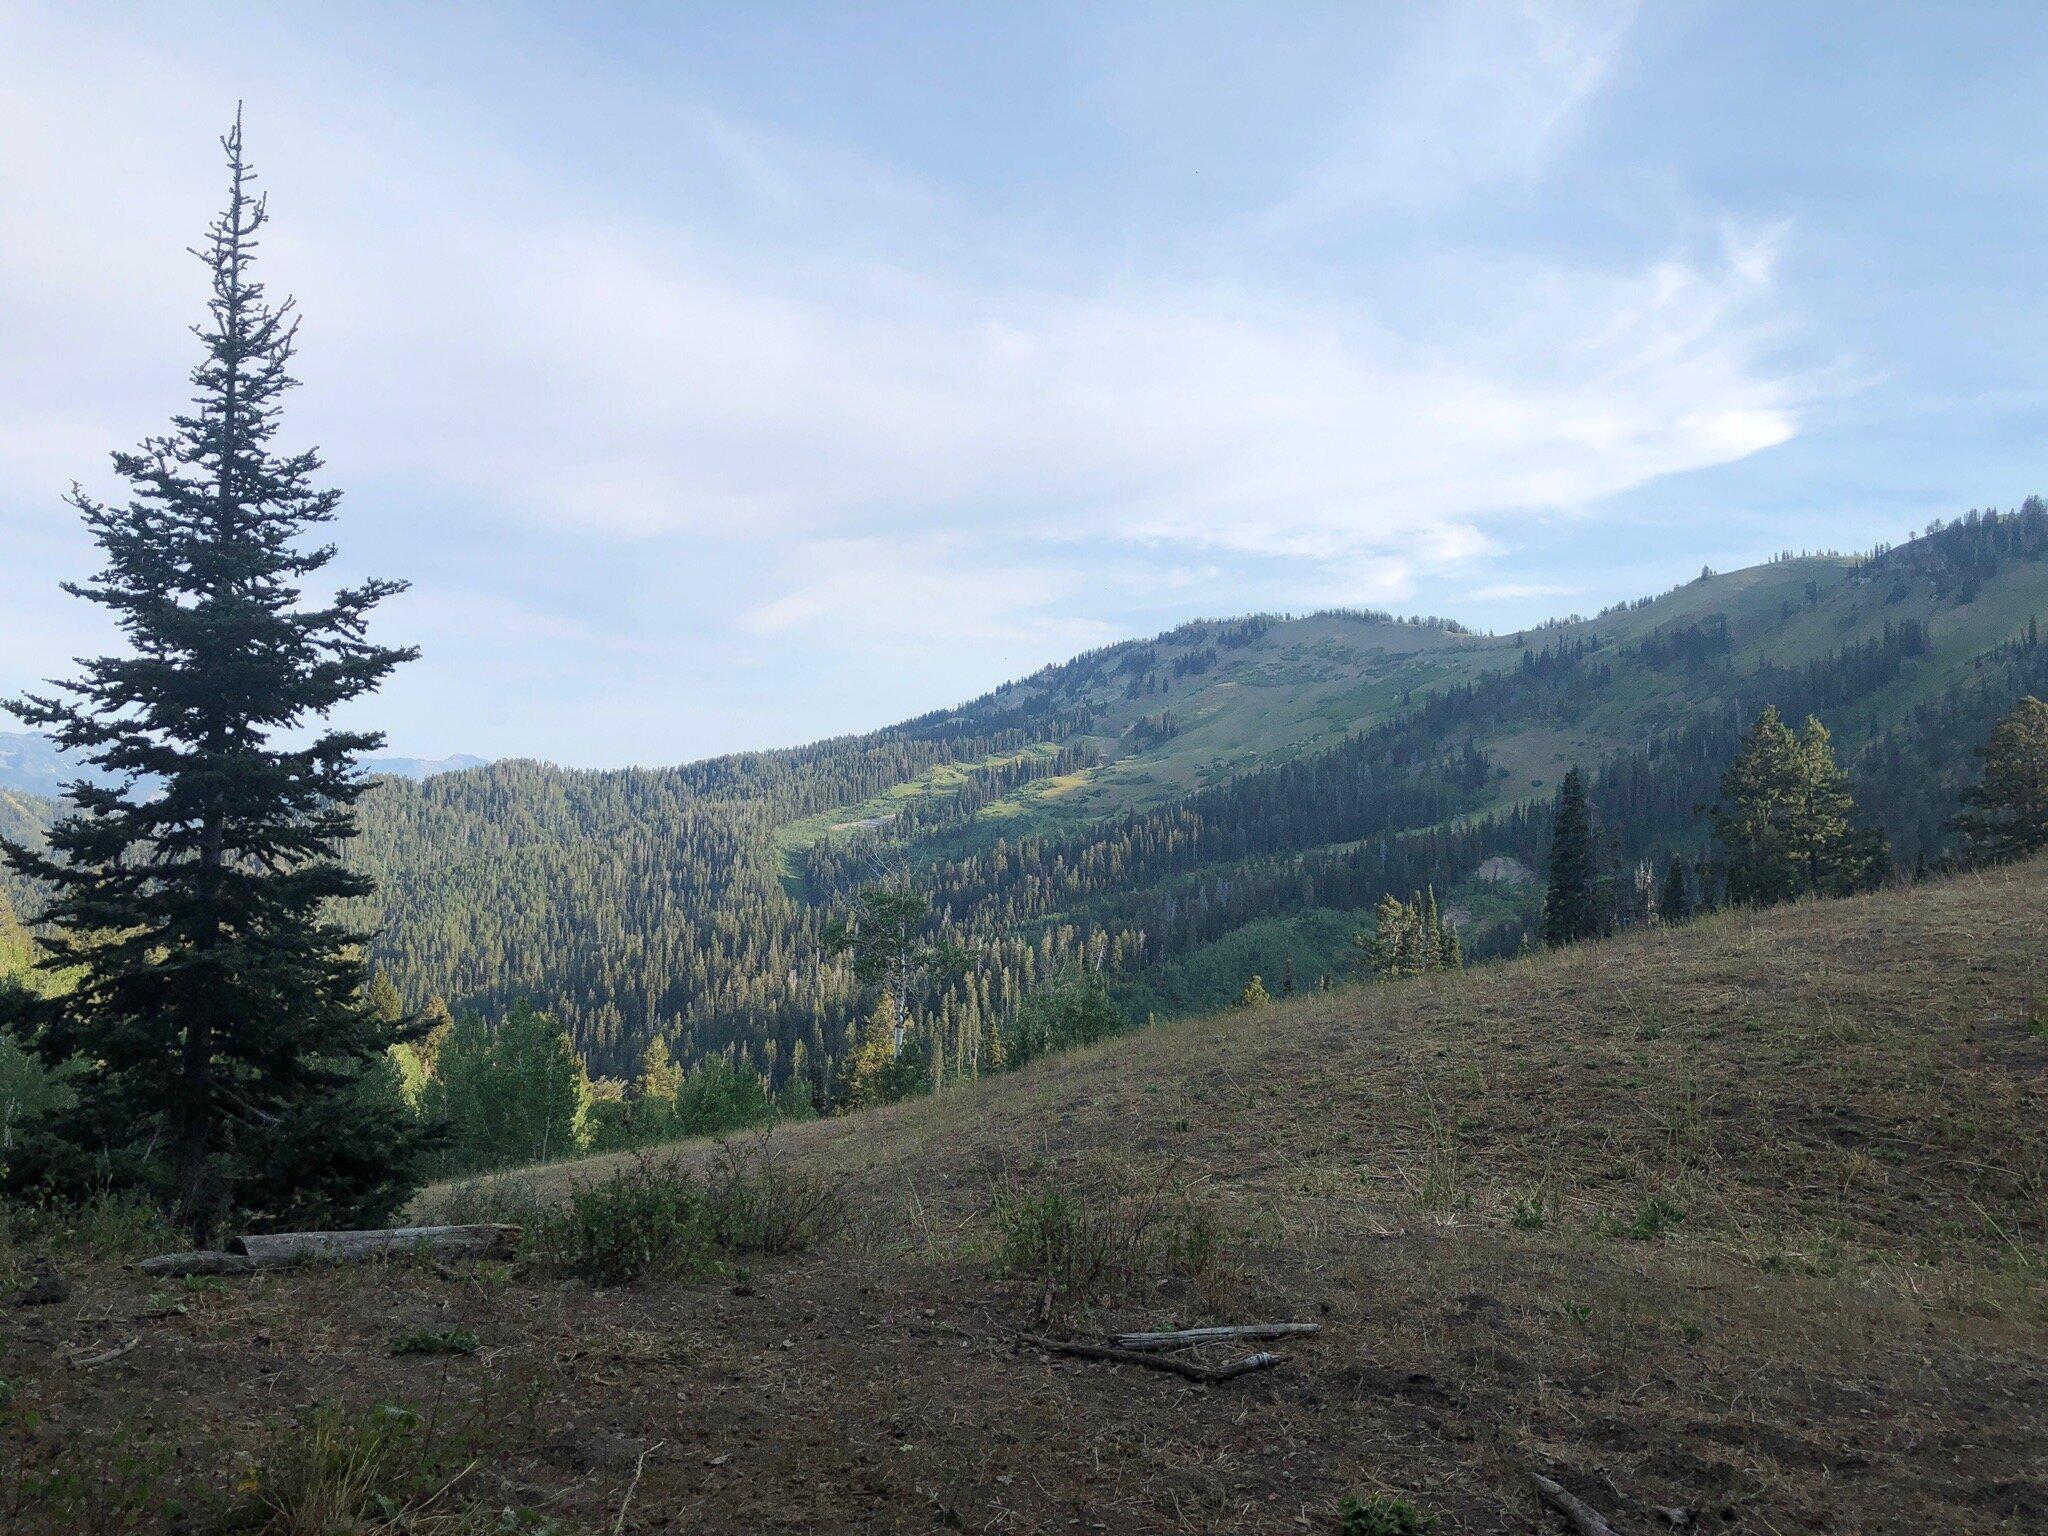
[{"x": 1226, "y": 798}]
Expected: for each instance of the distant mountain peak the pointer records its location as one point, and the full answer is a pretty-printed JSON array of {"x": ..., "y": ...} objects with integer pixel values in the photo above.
[{"x": 33, "y": 764}]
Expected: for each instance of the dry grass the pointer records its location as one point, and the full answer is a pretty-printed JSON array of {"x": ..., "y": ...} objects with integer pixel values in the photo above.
[{"x": 1747, "y": 1218}]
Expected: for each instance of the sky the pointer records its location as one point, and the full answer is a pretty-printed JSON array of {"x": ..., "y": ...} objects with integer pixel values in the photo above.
[{"x": 733, "y": 376}]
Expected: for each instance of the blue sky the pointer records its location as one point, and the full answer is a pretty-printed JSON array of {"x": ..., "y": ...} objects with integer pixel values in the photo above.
[{"x": 734, "y": 376}]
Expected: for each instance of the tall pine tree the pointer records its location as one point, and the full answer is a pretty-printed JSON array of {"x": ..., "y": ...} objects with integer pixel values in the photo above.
[
  {"x": 1571, "y": 905},
  {"x": 218, "y": 1023}
]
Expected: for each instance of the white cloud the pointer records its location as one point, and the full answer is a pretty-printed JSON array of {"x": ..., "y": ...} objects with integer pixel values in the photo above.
[
  {"x": 911, "y": 442},
  {"x": 1482, "y": 94},
  {"x": 920, "y": 592}
]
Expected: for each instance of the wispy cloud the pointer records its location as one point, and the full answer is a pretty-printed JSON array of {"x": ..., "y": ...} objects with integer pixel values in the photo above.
[
  {"x": 1481, "y": 95},
  {"x": 888, "y": 439}
]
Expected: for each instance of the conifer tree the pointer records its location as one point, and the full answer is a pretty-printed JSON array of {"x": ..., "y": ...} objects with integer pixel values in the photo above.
[
  {"x": 2007, "y": 815},
  {"x": 1254, "y": 994},
  {"x": 1674, "y": 900},
  {"x": 1571, "y": 908},
  {"x": 1786, "y": 823},
  {"x": 218, "y": 1018}
]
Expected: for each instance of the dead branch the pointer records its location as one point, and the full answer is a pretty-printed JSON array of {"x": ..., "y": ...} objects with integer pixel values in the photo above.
[
  {"x": 1184, "y": 1338},
  {"x": 87, "y": 1362},
  {"x": 1208, "y": 1375},
  {"x": 1584, "y": 1518}
]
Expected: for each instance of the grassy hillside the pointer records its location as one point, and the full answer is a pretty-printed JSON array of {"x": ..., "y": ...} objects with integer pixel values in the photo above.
[{"x": 1745, "y": 1218}]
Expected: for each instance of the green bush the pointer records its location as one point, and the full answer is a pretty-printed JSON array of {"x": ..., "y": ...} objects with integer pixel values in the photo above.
[
  {"x": 656, "y": 1221},
  {"x": 642, "y": 1223},
  {"x": 1381, "y": 1514},
  {"x": 762, "y": 1205},
  {"x": 1073, "y": 1008}
]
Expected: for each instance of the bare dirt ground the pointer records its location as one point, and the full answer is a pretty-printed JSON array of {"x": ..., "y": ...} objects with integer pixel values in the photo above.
[{"x": 1746, "y": 1220}]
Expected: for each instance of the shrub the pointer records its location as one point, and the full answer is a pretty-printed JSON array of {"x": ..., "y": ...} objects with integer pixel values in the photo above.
[
  {"x": 642, "y": 1223},
  {"x": 1075, "y": 1246},
  {"x": 762, "y": 1205},
  {"x": 1654, "y": 1217},
  {"x": 1381, "y": 1514},
  {"x": 1530, "y": 1210},
  {"x": 656, "y": 1221}
]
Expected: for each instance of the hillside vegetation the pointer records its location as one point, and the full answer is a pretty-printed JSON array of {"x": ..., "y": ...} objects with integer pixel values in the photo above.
[
  {"x": 1224, "y": 800},
  {"x": 1748, "y": 1218},
  {"x": 1227, "y": 799}
]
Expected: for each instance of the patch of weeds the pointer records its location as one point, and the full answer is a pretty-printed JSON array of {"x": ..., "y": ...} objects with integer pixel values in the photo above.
[
  {"x": 75, "y": 1484},
  {"x": 1578, "y": 1311},
  {"x": 1657, "y": 1215},
  {"x": 109, "y": 1227},
  {"x": 1529, "y": 1210},
  {"x": 436, "y": 1341},
  {"x": 1381, "y": 1514},
  {"x": 380, "y": 1469},
  {"x": 1082, "y": 1241}
]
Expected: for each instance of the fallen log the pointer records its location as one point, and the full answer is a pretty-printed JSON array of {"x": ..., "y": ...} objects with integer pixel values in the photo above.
[
  {"x": 1208, "y": 1375},
  {"x": 1584, "y": 1518},
  {"x": 493, "y": 1240},
  {"x": 284, "y": 1250},
  {"x": 204, "y": 1262},
  {"x": 1184, "y": 1338}
]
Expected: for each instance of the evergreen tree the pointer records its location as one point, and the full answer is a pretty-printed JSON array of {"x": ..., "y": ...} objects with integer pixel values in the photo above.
[
  {"x": 1786, "y": 823},
  {"x": 218, "y": 1014},
  {"x": 1674, "y": 900},
  {"x": 1571, "y": 907},
  {"x": 1254, "y": 994},
  {"x": 878, "y": 1071},
  {"x": 2007, "y": 815}
]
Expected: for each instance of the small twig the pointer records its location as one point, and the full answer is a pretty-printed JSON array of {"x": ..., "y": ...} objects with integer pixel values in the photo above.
[
  {"x": 87, "y": 1362},
  {"x": 1184, "y": 1338},
  {"x": 1208, "y": 1375},
  {"x": 1584, "y": 1518},
  {"x": 639, "y": 1466}
]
